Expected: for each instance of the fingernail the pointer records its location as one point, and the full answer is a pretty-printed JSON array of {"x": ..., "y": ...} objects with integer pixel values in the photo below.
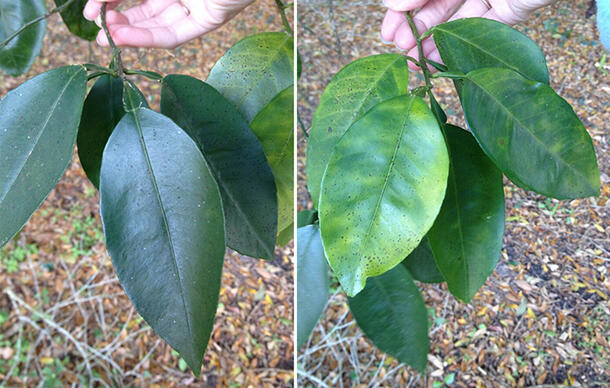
[
  {"x": 383, "y": 40},
  {"x": 98, "y": 20}
]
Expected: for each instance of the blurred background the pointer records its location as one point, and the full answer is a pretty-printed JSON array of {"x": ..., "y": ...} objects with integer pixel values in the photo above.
[
  {"x": 64, "y": 318},
  {"x": 543, "y": 317}
]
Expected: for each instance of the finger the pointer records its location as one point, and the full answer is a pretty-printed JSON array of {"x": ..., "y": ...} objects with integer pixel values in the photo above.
[
  {"x": 157, "y": 37},
  {"x": 437, "y": 12},
  {"x": 428, "y": 47},
  {"x": 391, "y": 22},
  {"x": 93, "y": 7},
  {"x": 404, "y": 38},
  {"x": 404, "y": 5},
  {"x": 147, "y": 10},
  {"x": 470, "y": 8},
  {"x": 169, "y": 16}
]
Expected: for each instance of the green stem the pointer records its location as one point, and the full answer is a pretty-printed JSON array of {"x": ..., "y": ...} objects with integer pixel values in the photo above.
[
  {"x": 282, "y": 8},
  {"x": 116, "y": 52},
  {"x": 34, "y": 21},
  {"x": 421, "y": 62}
]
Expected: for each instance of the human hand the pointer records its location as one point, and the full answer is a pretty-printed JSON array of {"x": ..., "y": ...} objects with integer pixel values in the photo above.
[
  {"x": 162, "y": 23},
  {"x": 396, "y": 29}
]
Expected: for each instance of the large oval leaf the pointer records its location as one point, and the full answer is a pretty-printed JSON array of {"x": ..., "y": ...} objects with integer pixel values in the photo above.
[
  {"x": 474, "y": 43},
  {"x": 236, "y": 158},
  {"x": 76, "y": 22},
  {"x": 382, "y": 189},
  {"x": 421, "y": 264},
  {"x": 466, "y": 237},
  {"x": 350, "y": 94},
  {"x": 38, "y": 125},
  {"x": 254, "y": 71},
  {"x": 274, "y": 127},
  {"x": 391, "y": 312},
  {"x": 103, "y": 109},
  {"x": 164, "y": 228},
  {"x": 531, "y": 134},
  {"x": 313, "y": 281},
  {"x": 18, "y": 55}
]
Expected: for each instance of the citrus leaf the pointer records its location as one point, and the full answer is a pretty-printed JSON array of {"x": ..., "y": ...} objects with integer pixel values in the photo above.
[
  {"x": 475, "y": 43},
  {"x": 76, "y": 22},
  {"x": 38, "y": 126},
  {"x": 350, "y": 94},
  {"x": 466, "y": 237},
  {"x": 382, "y": 190},
  {"x": 421, "y": 264},
  {"x": 531, "y": 134},
  {"x": 164, "y": 229},
  {"x": 314, "y": 281},
  {"x": 236, "y": 158},
  {"x": 391, "y": 312},
  {"x": 19, "y": 54},
  {"x": 274, "y": 128},
  {"x": 254, "y": 71},
  {"x": 306, "y": 217}
]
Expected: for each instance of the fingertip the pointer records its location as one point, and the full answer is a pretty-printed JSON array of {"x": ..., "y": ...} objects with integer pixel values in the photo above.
[
  {"x": 403, "y": 38},
  {"x": 391, "y": 22},
  {"x": 91, "y": 10},
  {"x": 404, "y": 5},
  {"x": 101, "y": 39}
]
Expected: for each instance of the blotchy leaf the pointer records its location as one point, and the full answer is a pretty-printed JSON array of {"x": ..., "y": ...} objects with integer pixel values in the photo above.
[
  {"x": 382, "y": 190},
  {"x": 38, "y": 125},
  {"x": 421, "y": 264},
  {"x": 18, "y": 55},
  {"x": 531, "y": 134},
  {"x": 350, "y": 94},
  {"x": 76, "y": 22},
  {"x": 236, "y": 158},
  {"x": 392, "y": 313},
  {"x": 164, "y": 229},
  {"x": 102, "y": 111},
  {"x": 466, "y": 237},
  {"x": 474, "y": 43},
  {"x": 254, "y": 71},
  {"x": 314, "y": 281},
  {"x": 274, "y": 128}
]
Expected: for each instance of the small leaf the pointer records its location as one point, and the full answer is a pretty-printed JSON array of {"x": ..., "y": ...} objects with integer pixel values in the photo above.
[
  {"x": 133, "y": 98},
  {"x": 350, "y": 94},
  {"x": 382, "y": 190},
  {"x": 466, "y": 237},
  {"x": 38, "y": 126},
  {"x": 475, "y": 43},
  {"x": 306, "y": 217},
  {"x": 274, "y": 128},
  {"x": 531, "y": 134},
  {"x": 313, "y": 281},
  {"x": 285, "y": 236},
  {"x": 421, "y": 264},
  {"x": 164, "y": 229},
  {"x": 391, "y": 312},
  {"x": 236, "y": 158},
  {"x": 19, "y": 54},
  {"x": 102, "y": 111},
  {"x": 254, "y": 71},
  {"x": 76, "y": 22}
]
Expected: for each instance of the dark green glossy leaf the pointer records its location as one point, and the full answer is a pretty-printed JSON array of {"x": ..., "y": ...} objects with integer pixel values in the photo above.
[
  {"x": 306, "y": 217},
  {"x": 38, "y": 126},
  {"x": 236, "y": 158},
  {"x": 254, "y": 71},
  {"x": 382, "y": 190},
  {"x": 313, "y": 281},
  {"x": 440, "y": 115},
  {"x": 350, "y": 94},
  {"x": 391, "y": 312},
  {"x": 274, "y": 128},
  {"x": 474, "y": 43},
  {"x": 76, "y": 22},
  {"x": 531, "y": 134},
  {"x": 466, "y": 237},
  {"x": 164, "y": 229},
  {"x": 102, "y": 111},
  {"x": 18, "y": 55},
  {"x": 421, "y": 264},
  {"x": 132, "y": 97}
]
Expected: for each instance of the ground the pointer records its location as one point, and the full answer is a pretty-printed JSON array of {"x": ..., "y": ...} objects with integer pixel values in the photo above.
[
  {"x": 64, "y": 318},
  {"x": 543, "y": 317}
]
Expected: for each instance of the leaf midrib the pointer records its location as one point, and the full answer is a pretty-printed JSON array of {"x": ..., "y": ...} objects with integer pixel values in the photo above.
[
  {"x": 39, "y": 135},
  {"x": 163, "y": 214}
]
